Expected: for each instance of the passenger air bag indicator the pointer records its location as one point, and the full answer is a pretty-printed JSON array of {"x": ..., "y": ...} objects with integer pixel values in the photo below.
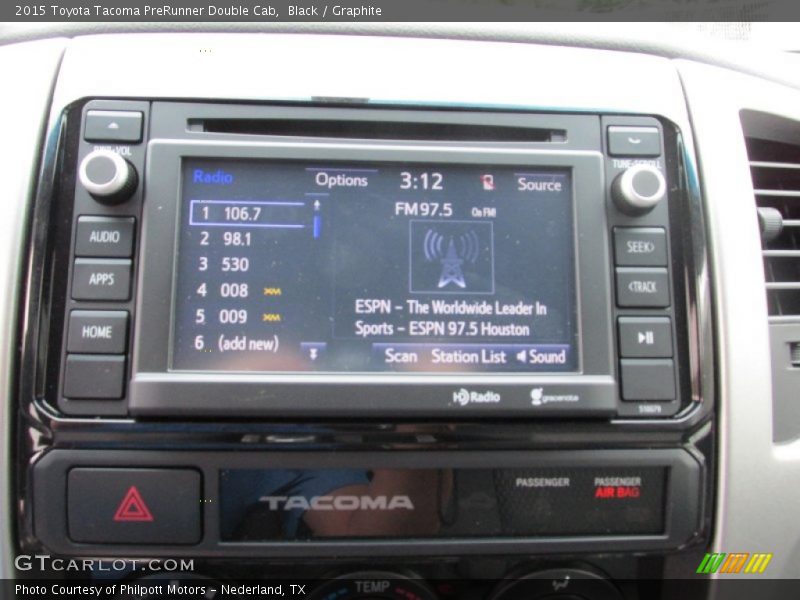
[
  {"x": 583, "y": 501},
  {"x": 618, "y": 487}
]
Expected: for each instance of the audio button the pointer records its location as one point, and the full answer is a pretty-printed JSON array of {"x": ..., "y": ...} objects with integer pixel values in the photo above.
[{"x": 108, "y": 237}]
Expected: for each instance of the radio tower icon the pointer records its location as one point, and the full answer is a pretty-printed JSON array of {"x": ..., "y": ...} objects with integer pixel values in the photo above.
[
  {"x": 451, "y": 268},
  {"x": 459, "y": 249}
]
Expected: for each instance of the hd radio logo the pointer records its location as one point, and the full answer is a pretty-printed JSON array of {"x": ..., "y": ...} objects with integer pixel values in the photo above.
[{"x": 734, "y": 563}]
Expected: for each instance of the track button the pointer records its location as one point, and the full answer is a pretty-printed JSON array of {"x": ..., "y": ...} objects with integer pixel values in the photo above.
[{"x": 648, "y": 288}]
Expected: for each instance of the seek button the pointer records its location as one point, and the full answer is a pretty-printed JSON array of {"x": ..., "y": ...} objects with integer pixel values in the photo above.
[{"x": 640, "y": 247}]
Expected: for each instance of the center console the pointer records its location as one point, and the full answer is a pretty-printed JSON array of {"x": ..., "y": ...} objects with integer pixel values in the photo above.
[{"x": 294, "y": 332}]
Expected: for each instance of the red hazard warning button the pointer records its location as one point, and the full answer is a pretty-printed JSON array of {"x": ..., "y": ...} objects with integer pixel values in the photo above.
[{"x": 134, "y": 506}]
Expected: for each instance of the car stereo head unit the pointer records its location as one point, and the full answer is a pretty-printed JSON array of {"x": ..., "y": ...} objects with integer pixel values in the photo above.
[
  {"x": 335, "y": 262},
  {"x": 328, "y": 331},
  {"x": 373, "y": 277}
]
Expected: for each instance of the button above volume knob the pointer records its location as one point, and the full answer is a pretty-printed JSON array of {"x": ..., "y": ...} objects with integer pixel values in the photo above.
[
  {"x": 108, "y": 177},
  {"x": 638, "y": 189}
]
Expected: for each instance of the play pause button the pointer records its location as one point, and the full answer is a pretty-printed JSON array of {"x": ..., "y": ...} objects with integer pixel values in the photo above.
[{"x": 645, "y": 337}]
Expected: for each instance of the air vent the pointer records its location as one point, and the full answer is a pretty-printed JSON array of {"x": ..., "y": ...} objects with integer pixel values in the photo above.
[
  {"x": 775, "y": 169},
  {"x": 773, "y": 147}
]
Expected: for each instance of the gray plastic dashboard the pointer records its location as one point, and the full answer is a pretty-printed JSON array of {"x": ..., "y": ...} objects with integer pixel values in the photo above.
[{"x": 756, "y": 476}]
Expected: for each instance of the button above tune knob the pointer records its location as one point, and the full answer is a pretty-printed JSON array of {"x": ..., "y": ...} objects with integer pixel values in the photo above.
[
  {"x": 638, "y": 189},
  {"x": 109, "y": 178}
]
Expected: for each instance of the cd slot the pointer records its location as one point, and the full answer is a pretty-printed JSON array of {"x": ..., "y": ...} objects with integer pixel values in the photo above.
[{"x": 378, "y": 130}]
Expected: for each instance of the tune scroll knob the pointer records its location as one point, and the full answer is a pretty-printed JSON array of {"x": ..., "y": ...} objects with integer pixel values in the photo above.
[
  {"x": 638, "y": 189},
  {"x": 109, "y": 178}
]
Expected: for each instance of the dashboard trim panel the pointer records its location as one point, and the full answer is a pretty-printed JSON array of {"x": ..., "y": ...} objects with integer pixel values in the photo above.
[{"x": 625, "y": 84}]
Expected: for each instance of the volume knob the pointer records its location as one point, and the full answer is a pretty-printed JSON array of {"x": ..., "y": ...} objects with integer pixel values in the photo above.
[
  {"x": 638, "y": 189},
  {"x": 108, "y": 177}
]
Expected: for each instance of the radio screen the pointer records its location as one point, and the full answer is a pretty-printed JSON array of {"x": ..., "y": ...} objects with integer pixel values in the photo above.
[{"x": 296, "y": 266}]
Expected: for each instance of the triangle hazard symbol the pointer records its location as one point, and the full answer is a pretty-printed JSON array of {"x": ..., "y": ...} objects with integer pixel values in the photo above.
[{"x": 133, "y": 507}]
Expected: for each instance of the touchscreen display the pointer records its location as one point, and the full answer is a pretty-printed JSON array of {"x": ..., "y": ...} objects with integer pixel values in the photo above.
[{"x": 289, "y": 266}]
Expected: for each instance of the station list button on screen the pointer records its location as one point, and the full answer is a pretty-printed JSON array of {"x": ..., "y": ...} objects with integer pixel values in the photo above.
[
  {"x": 647, "y": 288},
  {"x": 108, "y": 237},
  {"x": 98, "y": 331},
  {"x": 645, "y": 337},
  {"x": 640, "y": 247},
  {"x": 550, "y": 356},
  {"x": 113, "y": 126},
  {"x": 101, "y": 279},
  {"x": 94, "y": 377},
  {"x": 647, "y": 379},
  {"x": 134, "y": 506}
]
